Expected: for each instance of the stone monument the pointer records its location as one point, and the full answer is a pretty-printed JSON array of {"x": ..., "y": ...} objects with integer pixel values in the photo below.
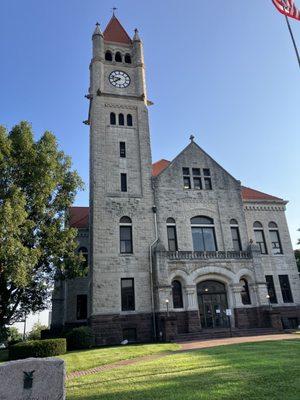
[{"x": 33, "y": 379}]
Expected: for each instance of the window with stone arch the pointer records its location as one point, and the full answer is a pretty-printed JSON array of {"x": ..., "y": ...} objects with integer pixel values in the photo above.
[
  {"x": 118, "y": 57},
  {"x": 235, "y": 234},
  {"x": 245, "y": 293},
  {"x": 84, "y": 252},
  {"x": 129, "y": 120},
  {"x": 121, "y": 119},
  {"x": 127, "y": 58},
  {"x": 276, "y": 246},
  {"x": 203, "y": 233},
  {"x": 112, "y": 118},
  {"x": 126, "y": 246},
  {"x": 108, "y": 55},
  {"x": 172, "y": 234},
  {"x": 260, "y": 237},
  {"x": 177, "y": 294}
]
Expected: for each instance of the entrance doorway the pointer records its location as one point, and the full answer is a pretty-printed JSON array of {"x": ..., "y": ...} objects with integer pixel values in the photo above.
[{"x": 212, "y": 299}]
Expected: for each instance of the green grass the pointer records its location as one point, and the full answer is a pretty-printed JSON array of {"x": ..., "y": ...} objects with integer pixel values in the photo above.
[
  {"x": 85, "y": 359},
  {"x": 249, "y": 371}
]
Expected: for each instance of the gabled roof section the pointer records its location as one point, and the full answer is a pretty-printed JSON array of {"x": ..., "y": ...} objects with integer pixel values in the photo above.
[
  {"x": 114, "y": 32},
  {"x": 252, "y": 194},
  {"x": 159, "y": 166},
  {"x": 79, "y": 217}
]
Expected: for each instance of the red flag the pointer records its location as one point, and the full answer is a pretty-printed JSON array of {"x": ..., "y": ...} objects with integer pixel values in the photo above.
[{"x": 288, "y": 8}]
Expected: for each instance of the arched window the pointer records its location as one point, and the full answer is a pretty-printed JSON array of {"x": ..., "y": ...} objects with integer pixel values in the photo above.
[
  {"x": 128, "y": 58},
  {"x": 118, "y": 57},
  {"x": 84, "y": 252},
  {"x": 260, "y": 237},
  {"x": 177, "y": 294},
  {"x": 129, "y": 120},
  {"x": 108, "y": 55},
  {"x": 275, "y": 239},
  {"x": 126, "y": 235},
  {"x": 203, "y": 233},
  {"x": 112, "y": 118},
  {"x": 235, "y": 234},
  {"x": 121, "y": 119},
  {"x": 172, "y": 235},
  {"x": 245, "y": 294}
]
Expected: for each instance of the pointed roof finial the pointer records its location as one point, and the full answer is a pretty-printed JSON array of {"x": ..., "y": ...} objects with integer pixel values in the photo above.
[
  {"x": 113, "y": 11},
  {"x": 136, "y": 37},
  {"x": 192, "y": 137},
  {"x": 97, "y": 30}
]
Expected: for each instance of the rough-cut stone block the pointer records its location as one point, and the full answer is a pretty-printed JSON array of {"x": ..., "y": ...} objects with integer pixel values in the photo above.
[{"x": 33, "y": 379}]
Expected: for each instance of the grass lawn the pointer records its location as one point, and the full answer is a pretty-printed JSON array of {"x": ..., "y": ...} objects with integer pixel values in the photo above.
[
  {"x": 85, "y": 359},
  {"x": 256, "y": 371}
]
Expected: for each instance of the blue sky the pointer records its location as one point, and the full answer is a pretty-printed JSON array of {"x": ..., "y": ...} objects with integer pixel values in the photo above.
[{"x": 222, "y": 70}]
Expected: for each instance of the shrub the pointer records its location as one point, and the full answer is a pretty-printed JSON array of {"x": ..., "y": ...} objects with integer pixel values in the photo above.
[
  {"x": 80, "y": 338},
  {"x": 37, "y": 348},
  {"x": 35, "y": 333}
]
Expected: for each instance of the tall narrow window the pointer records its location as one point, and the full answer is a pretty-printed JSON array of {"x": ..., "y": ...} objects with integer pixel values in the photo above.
[
  {"x": 287, "y": 296},
  {"x": 122, "y": 150},
  {"x": 276, "y": 247},
  {"x": 112, "y": 118},
  {"x": 121, "y": 119},
  {"x": 186, "y": 178},
  {"x": 81, "y": 307},
  {"x": 197, "y": 178},
  {"x": 207, "y": 179},
  {"x": 260, "y": 237},
  {"x": 123, "y": 182},
  {"x": 128, "y": 58},
  {"x": 129, "y": 120},
  {"x": 245, "y": 294},
  {"x": 126, "y": 235},
  {"x": 235, "y": 234},
  {"x": 172, "y": 236},
  {"x": 118, "y": 57},
  {"x": 84, "y": 252},
  {"x": 177, "y": 294},
  {"x": 203, "y": 233},
  {"x": 127, "y": 294},
  {"x": 271, "y": 289},
  {"x": 108, "y": 55}
]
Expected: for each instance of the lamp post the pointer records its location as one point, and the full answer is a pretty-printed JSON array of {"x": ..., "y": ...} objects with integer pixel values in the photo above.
[{"x": 167, "y": 304}]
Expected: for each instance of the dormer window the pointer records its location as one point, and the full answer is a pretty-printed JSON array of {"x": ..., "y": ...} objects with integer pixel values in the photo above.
[
  {"x": 118, "y": 57},
  {"x": 128, "y": 58}
]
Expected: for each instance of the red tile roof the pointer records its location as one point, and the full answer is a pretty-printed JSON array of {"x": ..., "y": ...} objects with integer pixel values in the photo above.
[
  {"x": 114, "y": 32},
  {"x": 79, "y": 217},
  {"x": 251, "y": 194},
  {"x": 159, "y": 166}
]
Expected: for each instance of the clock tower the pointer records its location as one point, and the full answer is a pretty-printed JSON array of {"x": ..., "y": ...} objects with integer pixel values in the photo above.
[{"x": 121, "y": 198}]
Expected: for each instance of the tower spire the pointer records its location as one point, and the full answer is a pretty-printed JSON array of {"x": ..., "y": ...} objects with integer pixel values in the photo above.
[
  {"x": 136, "y": 37},
  {"x": 97, "y": 30}
]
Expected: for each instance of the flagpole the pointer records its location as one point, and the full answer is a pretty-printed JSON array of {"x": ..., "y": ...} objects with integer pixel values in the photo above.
[{"x": 293, "y": 39}]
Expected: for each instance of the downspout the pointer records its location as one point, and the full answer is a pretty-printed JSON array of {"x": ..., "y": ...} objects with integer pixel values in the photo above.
[{"x": 151, "y": 273}]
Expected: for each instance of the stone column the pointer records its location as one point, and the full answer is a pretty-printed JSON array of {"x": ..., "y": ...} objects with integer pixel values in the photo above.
[{"x": 193, "y": 317}]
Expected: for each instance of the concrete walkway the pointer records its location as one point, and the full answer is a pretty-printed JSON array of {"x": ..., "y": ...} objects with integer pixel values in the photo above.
[{"x": 184, "y": 346}]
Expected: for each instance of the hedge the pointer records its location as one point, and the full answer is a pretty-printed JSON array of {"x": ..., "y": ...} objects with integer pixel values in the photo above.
[
  {"x": 38, "y": 348},
  {"x": 80, "y": 338}
]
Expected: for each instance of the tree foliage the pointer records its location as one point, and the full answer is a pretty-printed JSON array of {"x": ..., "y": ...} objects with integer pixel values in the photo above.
[
  {"x": 37, "y": 186},
  {"x": 35, "y": 333}
]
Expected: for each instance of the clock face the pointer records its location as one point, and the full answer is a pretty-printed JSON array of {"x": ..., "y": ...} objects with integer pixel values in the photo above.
[{"x": 119, "y": 79}]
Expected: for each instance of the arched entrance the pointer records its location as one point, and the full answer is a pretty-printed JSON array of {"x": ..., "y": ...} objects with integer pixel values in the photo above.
[{"x": 212, "y": 300}]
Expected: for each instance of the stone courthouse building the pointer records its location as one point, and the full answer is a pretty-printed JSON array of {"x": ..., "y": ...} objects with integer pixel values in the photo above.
[{"x": 175, "y": 249}]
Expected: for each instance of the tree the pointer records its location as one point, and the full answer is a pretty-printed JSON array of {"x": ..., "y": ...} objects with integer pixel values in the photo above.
[
  {"x": 37, "y": 186},
  {"x": 35, "y": 333},
  {"x": 297, "y": 256},
  {"x": 13, "y": 335}
]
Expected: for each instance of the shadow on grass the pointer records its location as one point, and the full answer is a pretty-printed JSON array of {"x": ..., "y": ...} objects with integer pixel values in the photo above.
[{"x": 257, "y": 371}]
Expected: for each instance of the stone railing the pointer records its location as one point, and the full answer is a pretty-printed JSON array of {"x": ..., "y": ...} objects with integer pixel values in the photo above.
[{"x": 206, "y": 255}]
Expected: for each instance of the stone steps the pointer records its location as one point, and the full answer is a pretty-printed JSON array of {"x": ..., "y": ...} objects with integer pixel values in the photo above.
[{"x": 224, "y": 333}]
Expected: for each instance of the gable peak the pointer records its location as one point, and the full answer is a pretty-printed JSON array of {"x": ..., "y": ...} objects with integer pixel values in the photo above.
[{"x": 114, "y": 32}]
